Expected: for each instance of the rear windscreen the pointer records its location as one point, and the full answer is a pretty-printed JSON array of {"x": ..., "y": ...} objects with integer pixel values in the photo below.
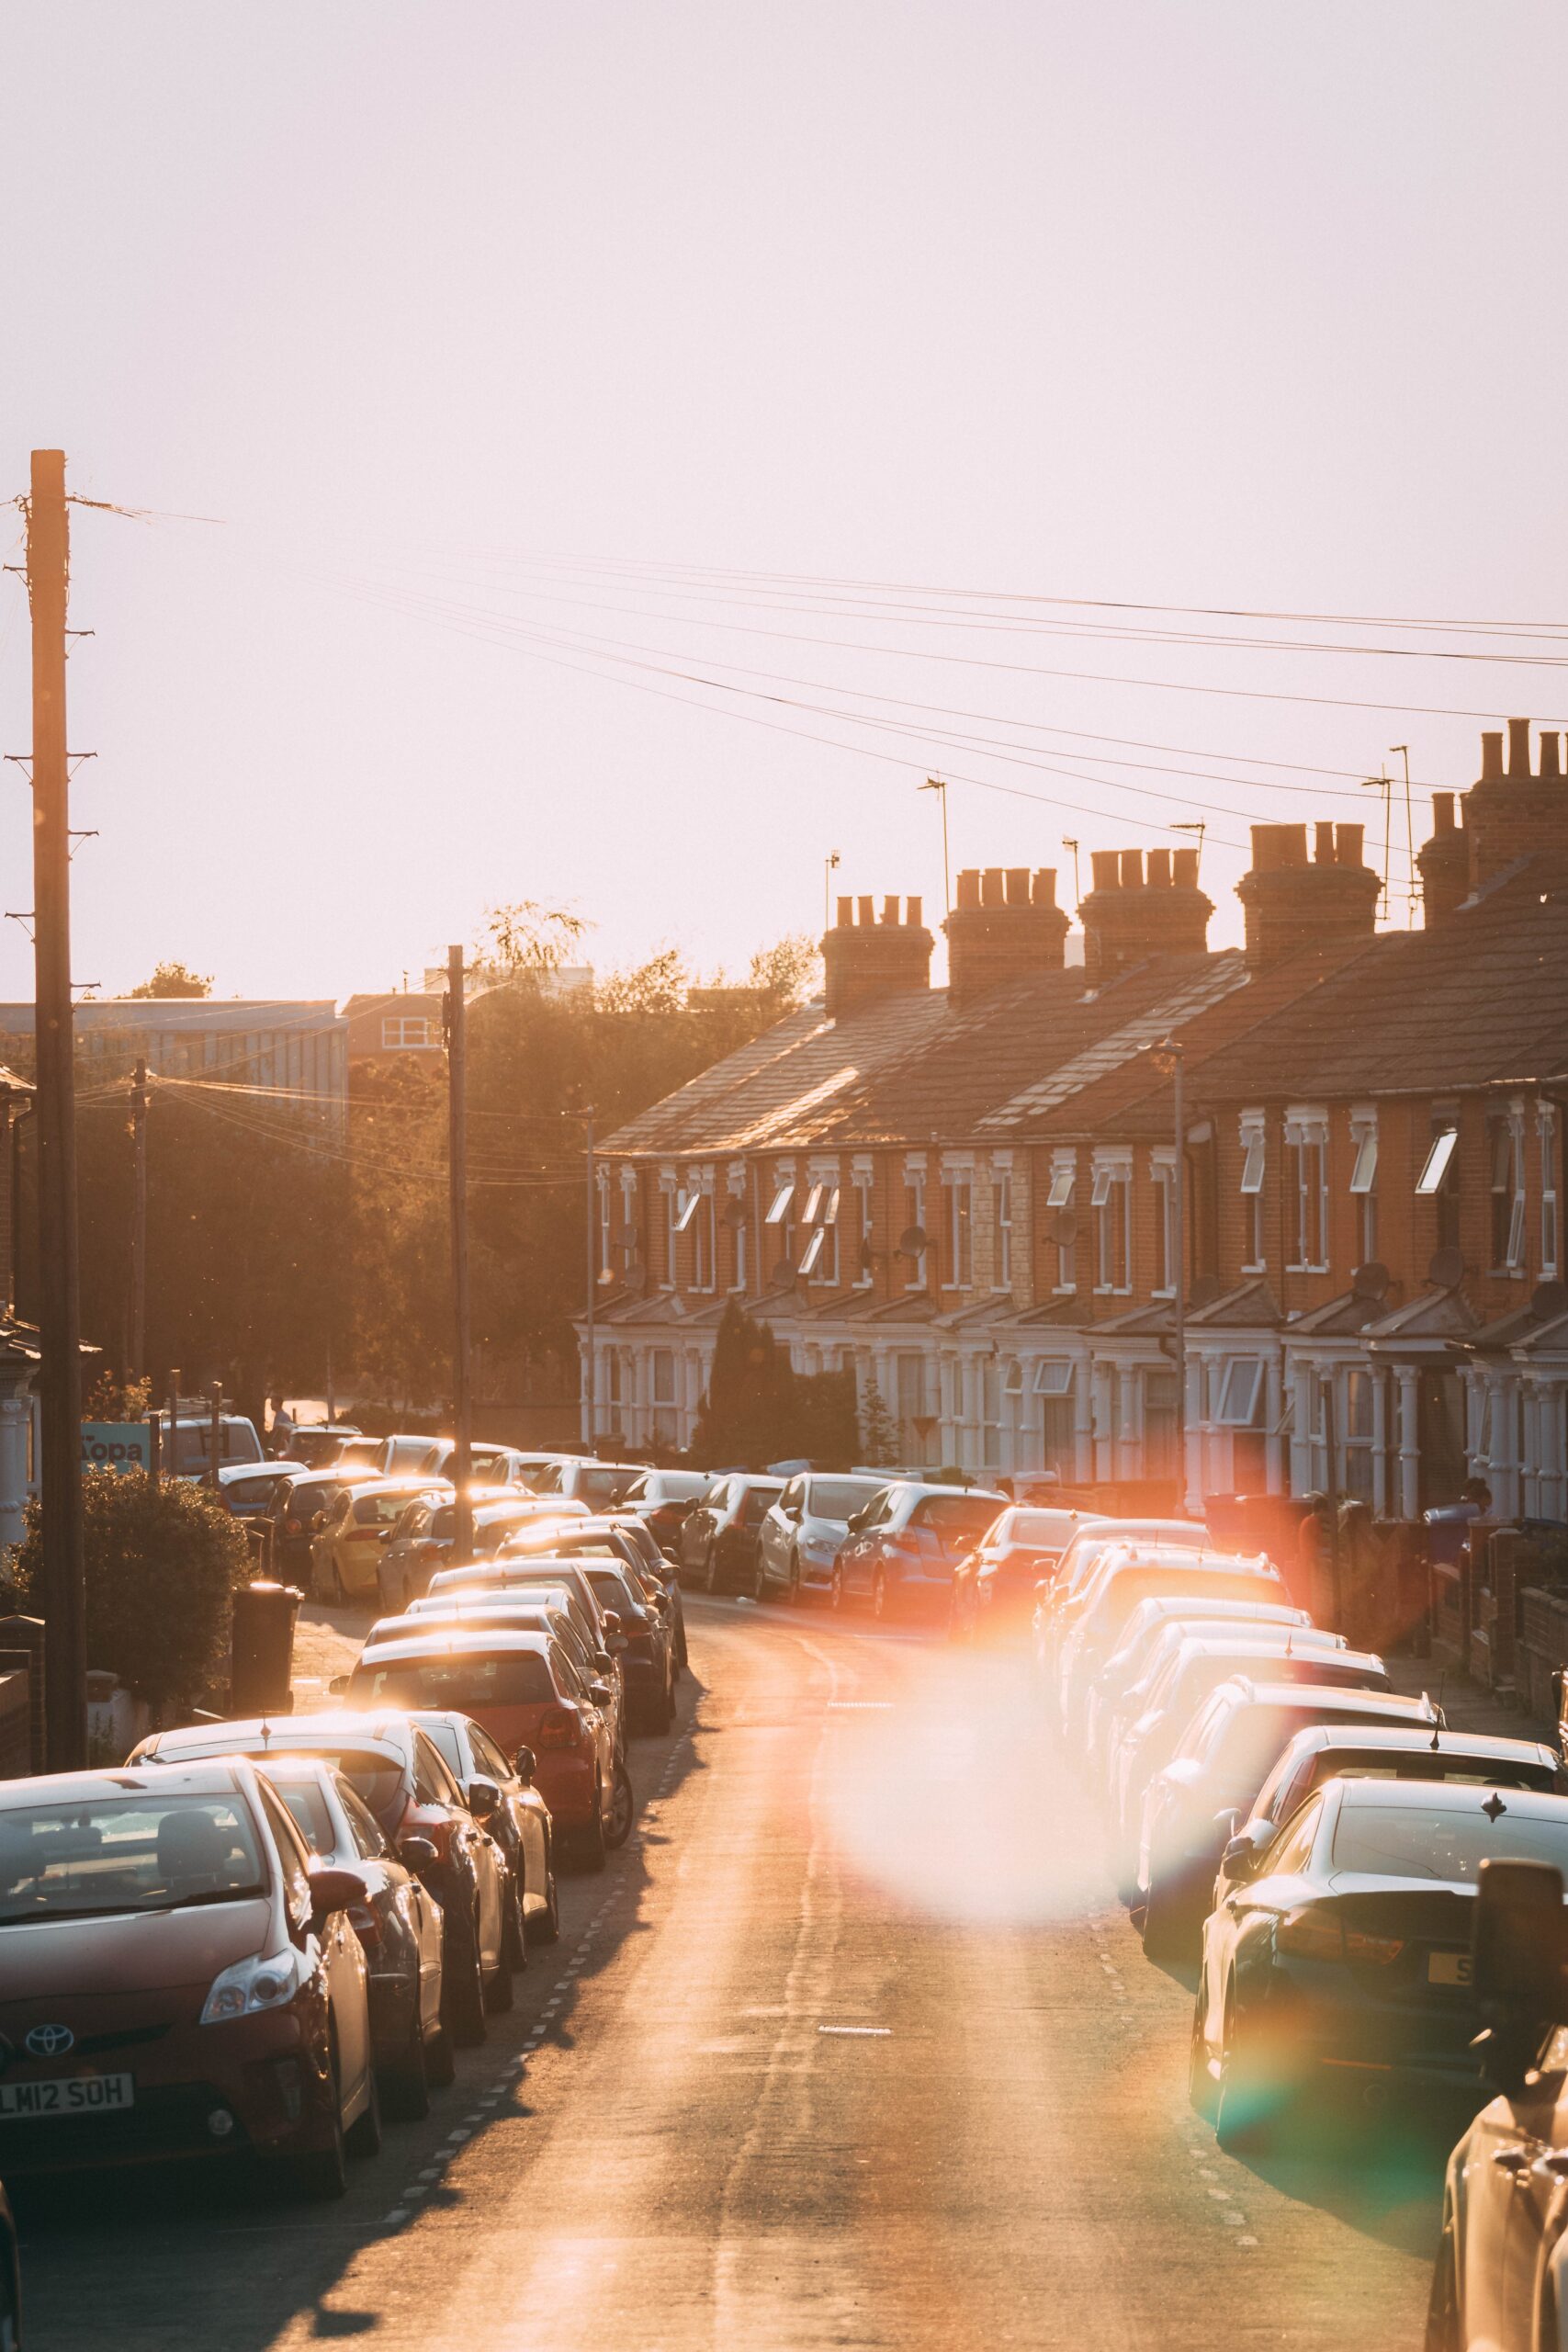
[
  {"x": 468, "y": 1685},
  {"x": 1421, "y": 1842},
  {"x": 312, "y": 1819},
  {"x": 840, "y": 1497}
]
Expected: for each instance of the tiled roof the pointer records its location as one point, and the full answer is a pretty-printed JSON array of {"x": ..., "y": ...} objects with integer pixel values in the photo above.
[{"x": 1251, "y": 1306}]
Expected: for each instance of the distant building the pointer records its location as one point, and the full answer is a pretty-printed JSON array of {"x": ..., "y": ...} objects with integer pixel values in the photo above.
[
  {"x": 404, "y": 1022},
  {"x": 294, "y": 1048}
]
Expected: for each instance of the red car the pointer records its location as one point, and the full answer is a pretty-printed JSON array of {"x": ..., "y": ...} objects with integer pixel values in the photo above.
[
  {"x": 526, "y": 1691},
  {"x": 177, "y": 1978}
]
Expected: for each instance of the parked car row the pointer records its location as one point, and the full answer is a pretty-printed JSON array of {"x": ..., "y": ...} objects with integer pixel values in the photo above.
[{"x": 1374, "y": 1901}]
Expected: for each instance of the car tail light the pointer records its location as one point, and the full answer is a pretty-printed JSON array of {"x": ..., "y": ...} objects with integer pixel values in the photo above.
[
  {"x": 559, "y": 1727},
  {"x": 1379, "y": 1950},
  {"x": 439, "y": 1830},
  {"x": 1311, "y": 1936}
]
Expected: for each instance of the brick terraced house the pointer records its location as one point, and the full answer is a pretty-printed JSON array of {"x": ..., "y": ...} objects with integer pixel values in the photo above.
[{"x": 968, "y": 1195}]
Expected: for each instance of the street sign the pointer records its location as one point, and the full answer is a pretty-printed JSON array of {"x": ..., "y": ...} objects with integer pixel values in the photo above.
[{"x": 116, "y": 1446}]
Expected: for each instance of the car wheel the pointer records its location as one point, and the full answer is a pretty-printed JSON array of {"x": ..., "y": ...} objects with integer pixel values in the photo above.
[
  {"x": 623, "y": 1810},
  {"x": 462, "y": 1986},
  {"x": 405, "y": 2093},
  {"x": 365, "y": 2139},
  {"x": 836, "y": 1587},
  {"x": 879, "y": 1597},
  {"x": 792, "y": 1589},
  {"x": 1200, "y": 2081},
  {"x": 1444, "y": 2331},
  {"x": 679, "y": 1645},
  {"x": 759, "y": 1586},
  {"x": 1167, "y": 1930},
  {"x": 322, "y": 2174},
  {"x": 1248, "y": 2099},
  {"x": 336, "y": 1597},
  {"x": 543, "y": 1927},
  {"x": 514, "y": 1940},
  {"x": 440, "y": 2060},
  {"x": 594, "y": 1848}
]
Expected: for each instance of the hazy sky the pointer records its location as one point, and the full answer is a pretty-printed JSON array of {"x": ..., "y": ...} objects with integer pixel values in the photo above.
[{"x": 445, "y": 310}]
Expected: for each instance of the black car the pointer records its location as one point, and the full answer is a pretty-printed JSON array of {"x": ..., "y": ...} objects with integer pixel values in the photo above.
[
  {"x": 299, "y": 1509},
  {"x": 720, "y": 1539},
  {"x": 399, "y": 1924},
  {"x": 661, "y": 1500},
  {"x": 648, "y": 1661},
  {"x": 612, "y": 1535},
  {"x": 501, "y": 1792},
  {"x": 1346, "y": 1958}
]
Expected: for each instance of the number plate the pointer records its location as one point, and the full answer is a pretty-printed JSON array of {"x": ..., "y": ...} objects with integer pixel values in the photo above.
[
  {"x": 1448, "y": 1968},
  {"x": 73, "y": 2095}
]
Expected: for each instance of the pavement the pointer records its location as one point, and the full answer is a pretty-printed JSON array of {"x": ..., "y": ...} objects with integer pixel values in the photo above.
[{"x": 850, "y": 2046}]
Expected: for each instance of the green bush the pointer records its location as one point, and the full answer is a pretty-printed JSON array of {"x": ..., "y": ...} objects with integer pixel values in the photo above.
[{"x": 162, "y": 1564}]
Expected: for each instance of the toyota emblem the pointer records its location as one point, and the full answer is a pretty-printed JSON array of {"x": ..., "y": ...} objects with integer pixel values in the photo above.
[{"x": 50, "y": 2040}]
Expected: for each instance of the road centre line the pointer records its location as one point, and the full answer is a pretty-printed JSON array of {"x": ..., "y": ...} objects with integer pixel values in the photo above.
[{"x": 878, "y": 2032}]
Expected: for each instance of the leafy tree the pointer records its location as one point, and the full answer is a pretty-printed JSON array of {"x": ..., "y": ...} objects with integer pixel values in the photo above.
[
  {"x": 174, "y": 979},
  {"x": 759, "y": 1410},
  {"x": 162, "y": 1563},
  {"x": 879, "y": 1446}
]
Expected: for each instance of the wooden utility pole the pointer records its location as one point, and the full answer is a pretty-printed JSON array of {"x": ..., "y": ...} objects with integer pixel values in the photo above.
[
  {"x": 457, "y": 1162},
  {"x": 60, "y": 1370},
  {"x": 590, "y": 1366},
  {"x": 137, "y": 1352}
]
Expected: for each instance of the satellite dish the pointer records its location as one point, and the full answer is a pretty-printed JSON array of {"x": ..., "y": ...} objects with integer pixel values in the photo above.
[
  {"x": 626, "y": 1237},
  {"x": 636, "y": 1279},
  {"x": 912, "y": 1241},
  {"x": 733, "y": 1214},
  {"x": 783, "y": 1274},
  {"x": 1549, "y": 1300},
  {"x": 1446, "y": 1269},
  {"x": 1066, "y": 1231},
  {"x": 1371, "y": 1281}
]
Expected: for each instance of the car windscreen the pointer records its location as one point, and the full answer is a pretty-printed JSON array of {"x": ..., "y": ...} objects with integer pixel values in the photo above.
[
  {"x": 467, "y": 1685},
  {"x": 1047, "y": 1531},
  {"x": 1442, "y": 1842},
  {"x": 378, "y": 1778},
  {"x": 380, "y": 1510},
  {"x": 611, "y": 1589},
  {"x": 955, "y": 1515},
  {"x": 252, "y": 1494},
  {"x": 130, "y": 1851},
  {"x": 309, "y": 1806},
  {"x": 605, "y": 1486},
  {"x": 838, "y": 1498}
]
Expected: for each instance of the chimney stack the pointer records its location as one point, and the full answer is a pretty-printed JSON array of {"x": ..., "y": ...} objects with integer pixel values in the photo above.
[
  {"x": 1007, "y": 926},
  {"x": 1134, "y": 911},
  {"x": 1291, "y": 904},
  {"x": 1508, "y": 814},
  {"x": 865, "y": 960}
]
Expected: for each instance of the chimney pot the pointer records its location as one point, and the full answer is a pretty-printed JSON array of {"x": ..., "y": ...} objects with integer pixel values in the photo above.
[
  {"x": 1045, "y": 885},
  {"x": 1132, "y": 869},
  {"x": 1105, "y": 867},
  {"x": 1018, "y": 885},
  {"x": 864, "y": 961},
  {"x": 890, "y": 907},
  {"x": 867, "y": 910},
  {"x": 991, "y": 887},
  {"x": 1322, "y": 847},
  {"x": 1160, "y": 869},
  {"x": 1519, "y": 749},
  {"x": 846, "y": 913},
  {"x": 1184, "y": 866},
  {"x": 913, "y": 915},
  {"x": 1491, "y": 758},
  {"x": 969, "y": 887},
  {"x": 1348, "y": 844},
  {"x": 1442, "y": 812},
  {"x": 1550, "y": 755}
]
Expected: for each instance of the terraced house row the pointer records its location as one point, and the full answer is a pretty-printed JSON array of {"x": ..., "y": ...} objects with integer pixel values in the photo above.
[{"x": 969, "y": 1195}]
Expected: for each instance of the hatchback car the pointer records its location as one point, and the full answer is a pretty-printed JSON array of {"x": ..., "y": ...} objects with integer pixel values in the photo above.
[
  {"x": 526, "y": 1691},
  {"x": 396, "y": 1919},
  {"x": 995, "y": 1586},
  {"x": 1349, "y": 1958},
  {"x": 661, "y": 1499},
  {"x": 345, "y": 1556},
  {"x": 1148, "y": 1625},
  {"x": 531, "y": 1611},
  {"x": 420, "y": 1810},
  {"x": 1088, "y": 1633},
  {"x": 648, "y": 1660},
  {"x": 502, "y": 1794},
  {"x": 802, "y": 1528},
  {"x": 504, "y": 1580},
  {"x": 1226, "y": 1754},
  {"x": 718, "y": 1540},
  {"x": 423, "y": 1539},
  {"x": 177, "y": 1978},
  {"x": 901, "y": 1550},
  {"x": 299, "y": 1509},
  {"x": 248, "y": 1489},
  {"x": 600, "y": 1484}
]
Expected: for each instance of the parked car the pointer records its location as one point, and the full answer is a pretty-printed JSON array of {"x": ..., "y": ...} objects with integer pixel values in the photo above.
[
  {"x": 526, "y": 1691},
  {"x": 177, "y": 1978},
  {"x": 802, "y": 1528},
  {"x": 995, "y": 1586},
  {"x": 654, "y": 1572},
  {"x": 246, "y": 1491},
  {"x": 530, "y": 1610},
  {"x": 396, "y": 1919},
  {"x": 611, "y": 1537},
  {"x": 345, "y": 1553},
  {"x": 1147, "y": 1624},
  {"x": 1391, "y": 1752},
  {"x": 902, "y": 1547},
  {"x": 1083, "y": 1555},
  {"x": 317, "y": 1445},
  {"x": 299, "y": 1510},
  {"x": 11, "y": 2279},
  {"x": 1226, "y": 1754},
  {"x": 403, "y": 1778},
  {"x": 719, "y": 1539},
  {"x": 661, "y": 1499},
  {"x": 648, "y": 1660},
  {"x": 1349, "y": 1960},
  {"x": 423, "y": 1538},
  {"x": 600, "y": 1484},
  {"x": 505, "y": 1577},
  {"x": 189, "y": 1455},
  {"x": 1500, "y": 2282},
  {"x": 515, "y": 1815},
  {"x": 1091, "y": 1629}
]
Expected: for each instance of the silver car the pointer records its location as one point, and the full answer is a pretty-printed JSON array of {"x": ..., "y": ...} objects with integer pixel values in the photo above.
[{"x": 802, "y": 1528}]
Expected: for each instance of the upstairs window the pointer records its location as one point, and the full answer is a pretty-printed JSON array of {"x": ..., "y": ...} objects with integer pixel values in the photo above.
[
  {"x": 1165, "y": 1229},
  {"x": 915, "y": 1221},
  {"x": 1549, "y": 1222},
  {"x": 1306, "y": 1194},
  {"x": 1508, "y": 1202},
  {"x": 960, "y": 1191},
  {"x": 1111, "y": 1200},
  {"x": 1254, "y": 1155},
  {"x": 1001, "y": 1211},
  {"x": 1364, "y": 1188},
  {"x": 1064, "y": 1177}
]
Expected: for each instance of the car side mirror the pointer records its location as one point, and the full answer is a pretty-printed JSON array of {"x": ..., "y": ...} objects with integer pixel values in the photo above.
[
  {"x": 525, "y": 1764},
  {"x": 483, "y": 1798},
  {"x": 417, "y": 1854},
  {"x": 1519, "y": 1947},
  {"x": 600, "y": 1693},
  {"x": 334, "y": 1890},
  {"x": 337, "y": 1685},
  {"x": 1240, "y": 1853},
  {"x": 604, "y": 1661},
  {"x": 853, "y": 1524}
]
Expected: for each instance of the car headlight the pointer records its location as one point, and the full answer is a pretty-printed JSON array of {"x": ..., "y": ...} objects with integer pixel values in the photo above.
[{"x": 265, "y": 1981}]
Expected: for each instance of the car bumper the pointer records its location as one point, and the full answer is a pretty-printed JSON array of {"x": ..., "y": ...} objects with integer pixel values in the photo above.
[
  {"x": 566, "y": 1782},
  {"x": 1322, "y": 2031}
]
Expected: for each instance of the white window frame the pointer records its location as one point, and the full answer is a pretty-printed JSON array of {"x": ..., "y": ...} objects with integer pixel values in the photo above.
[
  {"x": 1063, "y": 1176},
  {"x": 1429, "y": 1183},
  {"x": 1253, "y": 1135},
  {"x": 779, "y": 1206},
  {"x": 742, "y": 1231},
  {"x": 1054, "y": 1376},
  {"x": 408, "y": 1032},
  {"x": 1162, "y": 1176},
  {"x": 1110, "y": 1197},
  {"x": 604, "y": 1205},
  {"x": 959, "y": 1185},
  {"x": 1241, "y": 1373},
  {"x": 674, "y": 1203},
  {"x": 1364, "y": 1183},
  {"x": 1001, "y": 1236},
  {"x": 1551, "y": 1219},
  {"x": 914, "y": 1189},
  {"x": 862, "y": 1179},
  {"x": 1307, "y": 1136}
]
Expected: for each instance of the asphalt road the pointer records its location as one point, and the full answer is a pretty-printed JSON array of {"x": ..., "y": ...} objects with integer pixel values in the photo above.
[{"x": 851, "y": 2046}]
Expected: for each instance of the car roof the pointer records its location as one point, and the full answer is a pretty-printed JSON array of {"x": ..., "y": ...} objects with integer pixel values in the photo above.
[
  {"x": 452, "y": 1641},
  {"x": 1400, "y": 1739},
  {"x": 935, "y": 1486},
  {"x": 289, "y": 1731},
  {"x": 203, "y": 1776},
  {"x": 1458, "y": 1796},
  {"x": 343, "y": 1474},
  {"x": 273, "y": 1467},
  {"x": 1329, "y": 1696}
]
